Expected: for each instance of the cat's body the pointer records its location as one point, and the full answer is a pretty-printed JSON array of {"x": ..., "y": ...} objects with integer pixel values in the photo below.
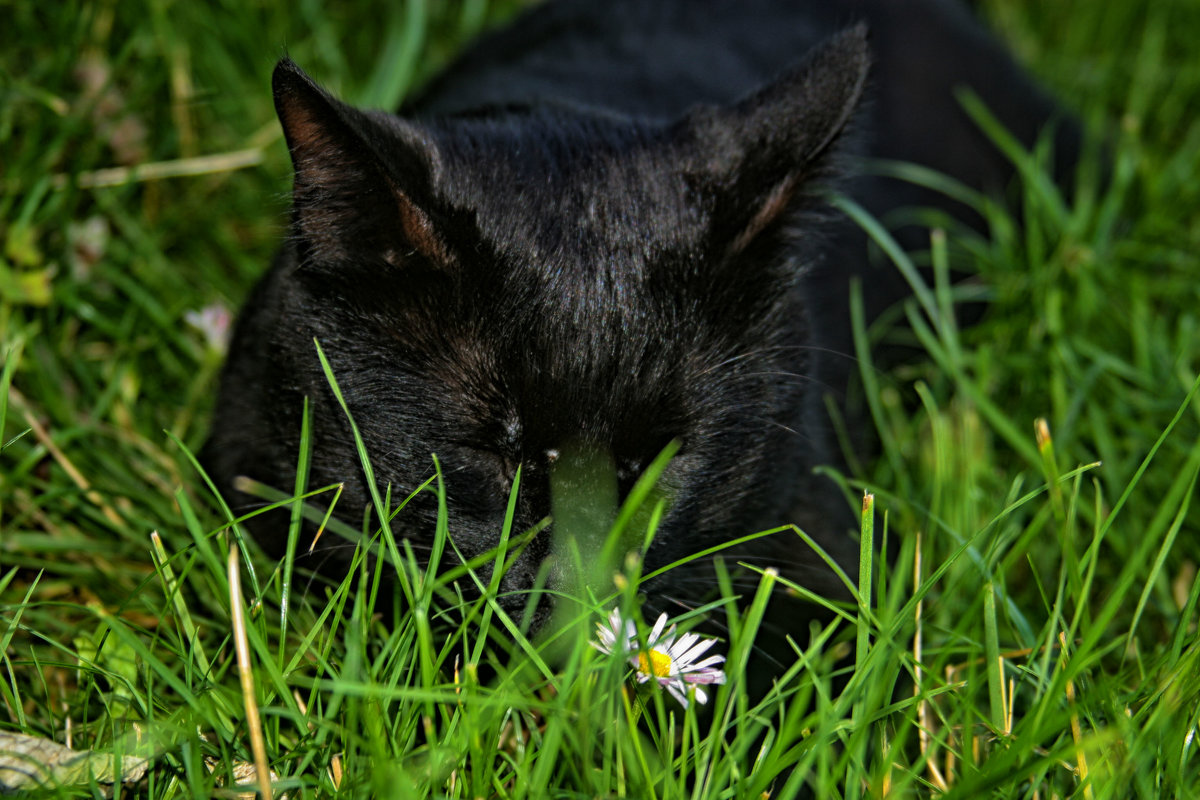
[{"x": 604, "y": 225}]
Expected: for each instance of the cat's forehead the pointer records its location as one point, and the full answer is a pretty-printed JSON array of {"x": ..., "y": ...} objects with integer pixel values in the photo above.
[{"x": 570, "y": 187}]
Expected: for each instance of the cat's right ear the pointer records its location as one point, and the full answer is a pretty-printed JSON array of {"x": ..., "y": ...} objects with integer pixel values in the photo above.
[
  {"x": 362, "y": 181},
  {"x": 757, "y": 156}
]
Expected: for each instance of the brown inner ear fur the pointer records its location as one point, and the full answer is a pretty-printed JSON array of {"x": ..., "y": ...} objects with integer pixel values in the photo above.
[
  {"x": 774, "y": 205},
  {"x": 330, "y": 175},
  {"x": 419, "y": 230}
]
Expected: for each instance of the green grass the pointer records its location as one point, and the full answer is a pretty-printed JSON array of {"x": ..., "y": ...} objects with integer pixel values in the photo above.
[{"x": 1044, "y": 597}]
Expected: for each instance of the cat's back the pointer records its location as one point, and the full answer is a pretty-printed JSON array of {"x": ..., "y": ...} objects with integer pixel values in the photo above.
[
  {"x": 650, "y": 59},
  {"x": 655, "y": 60}
]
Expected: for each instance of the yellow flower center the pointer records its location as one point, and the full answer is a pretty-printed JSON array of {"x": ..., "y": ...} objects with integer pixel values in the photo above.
[{"x": 656, "y": 663}]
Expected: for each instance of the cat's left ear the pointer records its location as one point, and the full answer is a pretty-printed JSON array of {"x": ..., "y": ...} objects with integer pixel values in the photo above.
[
  {"x": 754, "y": 157},
  {"x": 362, "y": 181}
]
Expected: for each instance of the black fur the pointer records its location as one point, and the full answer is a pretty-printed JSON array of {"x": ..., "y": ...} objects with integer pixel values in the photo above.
[{"x": 603, "y": 225}]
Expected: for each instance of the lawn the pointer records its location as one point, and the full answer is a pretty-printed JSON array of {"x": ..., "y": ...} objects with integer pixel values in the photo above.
[{"x": 1035, "y": 637}]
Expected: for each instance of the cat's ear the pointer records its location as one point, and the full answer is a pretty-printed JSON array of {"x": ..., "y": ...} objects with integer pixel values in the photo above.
[
  {"x": 753, "y": 158},
  {"x": 362, "y": 181}
]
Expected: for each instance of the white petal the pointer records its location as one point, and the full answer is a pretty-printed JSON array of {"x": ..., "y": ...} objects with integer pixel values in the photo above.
[
  {"x": 707, "y": 663},
  {"x": 676, "y": 692},
  {"x": 680, "y": 647},
  {"x": 708, "y": 676},
  {"x": 659, "y": 624},
  {"x": 666, "y": 642},
  {"x": 697, "y": 651}
]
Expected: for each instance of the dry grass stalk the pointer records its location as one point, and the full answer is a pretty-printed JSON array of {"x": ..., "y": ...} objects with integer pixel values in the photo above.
[{"x": 246, "y": 673}]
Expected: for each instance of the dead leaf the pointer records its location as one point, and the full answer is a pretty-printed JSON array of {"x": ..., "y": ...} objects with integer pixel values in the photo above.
[{"x": 29, "y": 762}]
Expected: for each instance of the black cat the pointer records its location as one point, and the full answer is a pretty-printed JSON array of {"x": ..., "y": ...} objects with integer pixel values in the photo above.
[{"x": 605, "y": 225}]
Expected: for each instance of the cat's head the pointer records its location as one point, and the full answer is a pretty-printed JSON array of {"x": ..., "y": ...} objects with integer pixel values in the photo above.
[{"x": 494, "y": 288}]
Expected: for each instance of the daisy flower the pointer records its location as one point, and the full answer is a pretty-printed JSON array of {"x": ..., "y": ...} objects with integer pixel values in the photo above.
[{"x": 673, "y": 662}]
